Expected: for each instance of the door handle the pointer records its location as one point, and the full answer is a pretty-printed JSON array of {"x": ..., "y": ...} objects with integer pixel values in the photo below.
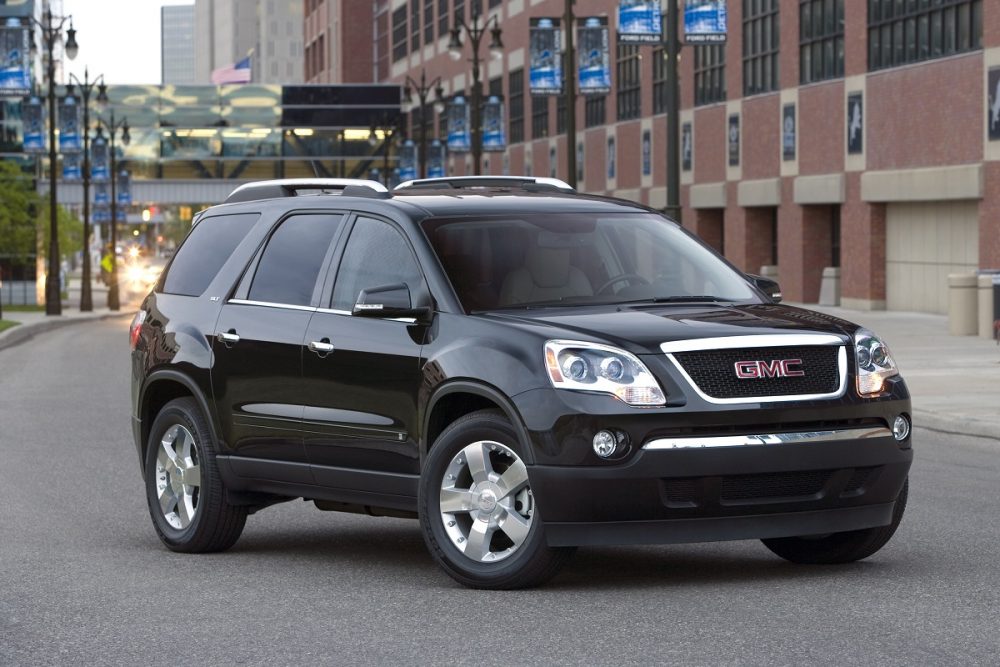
[
  {"x": 228, "y": 338},
  {"x": 321, "y": 347}
]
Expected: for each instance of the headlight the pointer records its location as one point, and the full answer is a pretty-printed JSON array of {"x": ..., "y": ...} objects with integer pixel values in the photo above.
[
  {"x": 874, "y": 363},
  {"x": 602, "y": 369}
]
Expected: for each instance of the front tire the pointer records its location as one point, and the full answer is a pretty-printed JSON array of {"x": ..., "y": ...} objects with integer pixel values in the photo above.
[
  {"x": 840, "y": 547},
  {"x": 477, "y": 512},
  {"x": 184, "y": 491}
]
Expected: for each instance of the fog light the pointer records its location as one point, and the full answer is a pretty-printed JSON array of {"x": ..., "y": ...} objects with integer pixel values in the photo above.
[
  {"x": 900, "y": 429},
  {"x": 605, "y": 444}
]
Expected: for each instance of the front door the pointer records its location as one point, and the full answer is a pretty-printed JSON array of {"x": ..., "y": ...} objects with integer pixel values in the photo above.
[{"x": 362, "y": 375}]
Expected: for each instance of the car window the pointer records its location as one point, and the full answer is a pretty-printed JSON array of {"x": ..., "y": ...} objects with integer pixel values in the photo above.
[
  {"x": 204, "y": 251},
  {"x": 376, "y": 255},
  {"x": 292, "y": 260}
]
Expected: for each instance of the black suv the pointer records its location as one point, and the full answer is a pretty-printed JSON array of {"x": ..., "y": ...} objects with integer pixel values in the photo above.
[{"x": 523, "y": 368}]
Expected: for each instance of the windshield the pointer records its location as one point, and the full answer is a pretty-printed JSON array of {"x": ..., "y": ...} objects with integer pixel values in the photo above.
[{"x": 573, "y": 259}]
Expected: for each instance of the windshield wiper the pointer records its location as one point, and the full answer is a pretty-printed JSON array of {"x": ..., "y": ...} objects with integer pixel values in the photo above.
[{"x": 682, "y": 298}]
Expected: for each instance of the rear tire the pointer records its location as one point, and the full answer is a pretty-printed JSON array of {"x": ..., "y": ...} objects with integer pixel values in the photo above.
[
  {"x": 840, "y": 547},
  {"x": 184, "y": 491},
  {"x": 476, "y": 510}
]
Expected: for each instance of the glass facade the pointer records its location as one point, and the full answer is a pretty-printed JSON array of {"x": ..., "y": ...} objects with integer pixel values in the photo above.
[{"x": 239, "y": 131}]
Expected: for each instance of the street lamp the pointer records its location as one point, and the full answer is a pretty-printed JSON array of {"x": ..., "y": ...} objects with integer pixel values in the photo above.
[
  {"x": 388, "y": 126},
  {"x": 112, "y": 128},
  {"x": 475, "y": 33},
  {"x": 423, "y": 90},
  {"x": 86, "y": 87},
  {"x": 52, "y": 28}
]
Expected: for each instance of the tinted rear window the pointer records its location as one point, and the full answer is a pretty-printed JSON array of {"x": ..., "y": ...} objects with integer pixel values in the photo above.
[{"x": 204, "y": 251}]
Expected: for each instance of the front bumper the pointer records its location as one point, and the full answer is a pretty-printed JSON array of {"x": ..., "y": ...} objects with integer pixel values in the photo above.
[{"x": 723, "y": 493}]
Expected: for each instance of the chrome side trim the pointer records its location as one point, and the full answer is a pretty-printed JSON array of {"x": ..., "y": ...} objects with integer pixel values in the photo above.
[
  {"x": 347, "y": 313},
  {"x": 768, "y": 439},
  {"x": 841, "y": 389},
  {"x": 268, "y": 304},
  {"x": 760, "y": 340}
]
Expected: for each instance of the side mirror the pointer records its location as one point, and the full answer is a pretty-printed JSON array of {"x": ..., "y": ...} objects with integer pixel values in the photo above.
[
  {"x": 767, "y": 286},
  {"x": 391, "y": 301}
]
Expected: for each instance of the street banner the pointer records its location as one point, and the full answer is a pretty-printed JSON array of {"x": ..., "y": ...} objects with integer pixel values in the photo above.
[
  {"x": 100, "y": 214},
  {"x": 436, "y": 157},
  {"x": 124, "y": 192},
  {"x": 594, "y": 56},
  {"x": 71, "y": 167},
  {"x": 494, "y": 136},
  {"x": 15, "y": 59},
  {"x": 99, "y": 160},
  {"x": 101, "y": 194},
  {"x": 640, "y": 21},
  {"x": 705, "y": 21},
  {"x": 69, "y": 126},
  {"x": 408, "y": 161},
  {"x": 33, "y": 120},
  {"x": 459, "y": 136},
  {"x": 545, "y": 76},
  {"x": 22, "y": 8}
]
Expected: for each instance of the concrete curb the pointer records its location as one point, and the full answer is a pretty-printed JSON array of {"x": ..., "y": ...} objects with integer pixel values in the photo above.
[
  {"x": 956, "y": 425},
  {"x": 24, "y": 332}
]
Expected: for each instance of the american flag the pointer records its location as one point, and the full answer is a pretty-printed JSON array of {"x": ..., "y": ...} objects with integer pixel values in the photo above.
[{"x": 236, "y": 73}]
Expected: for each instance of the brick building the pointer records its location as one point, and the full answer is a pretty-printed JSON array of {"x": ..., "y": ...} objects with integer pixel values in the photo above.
[
  {"x": 825, "y": 133},
  {"x": 338, "y": 41}
]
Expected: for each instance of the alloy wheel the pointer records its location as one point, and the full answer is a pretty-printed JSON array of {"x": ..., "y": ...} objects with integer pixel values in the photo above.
[{"x": 178, "y": 477}]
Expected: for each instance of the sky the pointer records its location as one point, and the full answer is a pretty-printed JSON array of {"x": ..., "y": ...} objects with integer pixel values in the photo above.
[{"x": 118, "y": 38}]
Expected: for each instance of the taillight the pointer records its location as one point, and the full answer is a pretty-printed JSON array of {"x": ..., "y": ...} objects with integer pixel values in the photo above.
[{"x": 136, "y": 328}]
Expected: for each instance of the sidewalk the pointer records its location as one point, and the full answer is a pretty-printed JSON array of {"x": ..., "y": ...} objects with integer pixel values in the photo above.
[
  {"x": 35, "y": 322},
  {"x": 954, "y": 380}
]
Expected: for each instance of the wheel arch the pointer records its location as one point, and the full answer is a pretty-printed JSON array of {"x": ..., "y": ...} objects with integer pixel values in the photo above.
[
  {"x": 160, "y": 388},
  {"x": 458, "y": 398}
]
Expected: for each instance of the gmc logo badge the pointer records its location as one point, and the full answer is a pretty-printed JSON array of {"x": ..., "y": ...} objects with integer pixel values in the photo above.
[{"x": 779, "y": 368}]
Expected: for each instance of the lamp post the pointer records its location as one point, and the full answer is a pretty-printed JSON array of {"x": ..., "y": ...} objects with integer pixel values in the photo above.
[
  {"x": 112, "y": 128},
  {"x": 673, "y": 52},
  {"x": 423, "y": 90},
  {"x": 569, "y": 93},
  {"x": 388, "y": 126},
  {"x": 51, "y": 28},
  {"x": 475, "y": 33},
  {"x": 86, "y": 87}
]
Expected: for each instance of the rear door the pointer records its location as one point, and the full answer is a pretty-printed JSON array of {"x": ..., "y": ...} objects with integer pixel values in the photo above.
[
  {"x": 258, "y": 347},
  {"x": 362, "y": 375}
]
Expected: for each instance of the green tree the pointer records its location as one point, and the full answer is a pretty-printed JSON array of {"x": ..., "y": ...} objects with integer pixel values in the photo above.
[
  {"x": 70, "y": 230},
  {"x": 18, "y": 204}
]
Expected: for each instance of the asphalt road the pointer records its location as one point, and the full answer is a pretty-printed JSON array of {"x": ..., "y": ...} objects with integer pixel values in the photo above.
[{"x": 84, "y": 580}]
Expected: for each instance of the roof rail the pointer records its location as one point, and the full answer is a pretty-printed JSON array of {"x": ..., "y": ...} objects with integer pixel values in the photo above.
[
  {"x": 463, "y": 182},
  {"x": 290, "y": 187}
]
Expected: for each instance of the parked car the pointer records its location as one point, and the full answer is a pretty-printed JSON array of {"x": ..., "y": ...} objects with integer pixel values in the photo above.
[{"x": 523, "y": 368}]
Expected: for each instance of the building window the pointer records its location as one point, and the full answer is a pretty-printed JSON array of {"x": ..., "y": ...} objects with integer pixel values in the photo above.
[
  {"x": 594, "y": 111},
  {"x": 900, "y": 33},
  {"x": 760, "y": 46},
  {"x": 459, "y": 12},
  {"x": 539, "y": 116},
  {"x": 443, "y": 15},
  {"x": 659, "y": 81},
  {"x": 709, "y": 73},
  {"x": 414, "y": 25},
  {"x": 399, "y": 33},
  {"x": 428, "y": 21},
  {"x": 515, "y": 98},
  {"x": 629, "y": 98},
  {"x": 821, "y": 40},
  {"x": 561, "y": 114}
]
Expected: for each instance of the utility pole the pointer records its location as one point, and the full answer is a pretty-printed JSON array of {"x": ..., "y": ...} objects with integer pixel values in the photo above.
[{"x": 569, "y": 92}]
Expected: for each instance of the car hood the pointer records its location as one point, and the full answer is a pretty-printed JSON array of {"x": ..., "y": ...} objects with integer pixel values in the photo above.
[{"x": 641, "y": 329}]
